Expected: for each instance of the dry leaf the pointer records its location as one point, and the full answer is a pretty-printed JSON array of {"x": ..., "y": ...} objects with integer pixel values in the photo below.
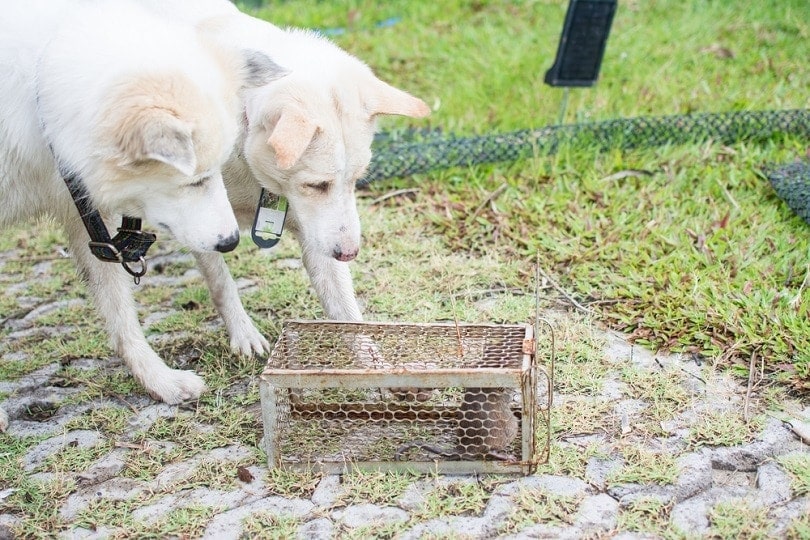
[{"x": 244, "y": 475}]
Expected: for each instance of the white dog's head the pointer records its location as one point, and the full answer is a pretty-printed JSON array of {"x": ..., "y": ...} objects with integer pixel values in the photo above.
[
  {"x": 146, "y": 112},
  {"x": 309, "y": 138}
]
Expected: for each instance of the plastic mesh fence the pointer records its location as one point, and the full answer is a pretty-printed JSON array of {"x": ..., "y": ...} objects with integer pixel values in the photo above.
[
  {"x": 414, "y": 152},
  {"x": 792, "y": 183}
]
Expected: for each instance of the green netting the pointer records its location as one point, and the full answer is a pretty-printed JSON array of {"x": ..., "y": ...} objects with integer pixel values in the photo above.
[
  {"x": 792, "y": 183},
  {"x": 414, "y": 152}
]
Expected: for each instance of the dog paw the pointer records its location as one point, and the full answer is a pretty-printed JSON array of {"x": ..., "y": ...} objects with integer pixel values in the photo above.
[
  {"x": 3, "y": 420},
  {"x": 175, "y": 386},
  {"x": 248, "y": 341},
  {"x": 367, "y": 352}
]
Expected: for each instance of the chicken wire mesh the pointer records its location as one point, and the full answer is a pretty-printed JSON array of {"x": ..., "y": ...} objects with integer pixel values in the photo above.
[{"x": 452, "y": 398}]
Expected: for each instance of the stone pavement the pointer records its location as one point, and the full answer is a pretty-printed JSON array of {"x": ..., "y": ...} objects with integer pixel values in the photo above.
[{"x": 40, "y": 405}]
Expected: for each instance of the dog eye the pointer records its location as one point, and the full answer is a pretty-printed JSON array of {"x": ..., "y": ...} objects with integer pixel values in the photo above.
[
  {"x": 321, "y": 187},
  {"x": 200, "y": 182}
]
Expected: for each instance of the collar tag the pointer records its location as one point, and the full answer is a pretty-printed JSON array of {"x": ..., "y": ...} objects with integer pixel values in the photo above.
[{"x": 268, "y": 224}]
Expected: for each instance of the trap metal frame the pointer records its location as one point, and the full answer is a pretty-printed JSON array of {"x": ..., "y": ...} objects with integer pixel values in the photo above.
[{"x": 338, "y": 396}]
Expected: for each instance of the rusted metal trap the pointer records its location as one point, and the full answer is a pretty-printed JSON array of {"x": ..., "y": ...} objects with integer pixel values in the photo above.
[{"x": 450, "y": 398}]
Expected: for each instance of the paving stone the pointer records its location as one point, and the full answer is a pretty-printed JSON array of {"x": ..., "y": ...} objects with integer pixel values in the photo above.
[
  {"x": 691, "y": 515},
  {"x": 695, "y": 476},
  {"x": 211, "y": 498},
  {"x": 632, "y": 536},
  {"x": 115, "y": 489},
  {"x": 40, "y": 311},
  {"x": 774, "y": 440},
  {"x": 617, "y": 348},
  {"x": 105, "y": 468},
  {"x": 546, "y": 532},
  {"x": 7, "y": 524},
  {"x": 722, "y": 478},
  {"x": 81, "y": 533},
  {"x": 773, "y": 483},
  {"x": 783, "y": 515},
  {"x": 289, "y": 264},
  {"x": 147, "y": 416},
  {"x": 327, "y": 491},
  {"x": 414, "y": 495},
  {"x": 564, "y": 486},
  {"x": 598, "y": 512},
  {"x": 317, "y": 529},
  {"x": 364, "y": 515},
  {"x": 498, "y": 509},
  {"x": 599, "y": 469},
  {"x": 35, "y": 379},
  {"x": 177, "y": 472},
  {"x": 41, "y": 452},
  {"x": 174, "y": 473},
  {"x": 228, "y": 525},
  {"x": 256, "y": 488},
  {"x": 471, "y": 528},
  {"x": 40, "y": 332},
  {"x": 612, "y": 388}
]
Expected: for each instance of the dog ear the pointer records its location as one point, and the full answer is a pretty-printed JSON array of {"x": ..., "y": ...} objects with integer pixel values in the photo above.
[
  {"x": 157, "y": 135},
  {"x": 385, "y": 99},
  {"x": 291, "y": 136},
  {"x": 260, "y": 69}
]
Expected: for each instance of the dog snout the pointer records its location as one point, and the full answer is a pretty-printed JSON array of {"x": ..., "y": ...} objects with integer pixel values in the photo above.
[
  {"x": 344, "y": 255},
  {"x": 228, "y": 244}
]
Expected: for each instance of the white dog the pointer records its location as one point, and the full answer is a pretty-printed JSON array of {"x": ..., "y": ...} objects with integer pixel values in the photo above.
[
  {"x": 307, "y": 137},
  {"x": 141, "y": 112}
]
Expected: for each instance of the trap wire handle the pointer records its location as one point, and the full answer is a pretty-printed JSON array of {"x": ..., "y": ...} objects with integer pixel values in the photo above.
[{"x": 549, "y": 375}]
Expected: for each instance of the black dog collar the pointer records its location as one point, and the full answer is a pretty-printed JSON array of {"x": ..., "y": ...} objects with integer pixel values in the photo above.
[{"x": 128, "y": 246}]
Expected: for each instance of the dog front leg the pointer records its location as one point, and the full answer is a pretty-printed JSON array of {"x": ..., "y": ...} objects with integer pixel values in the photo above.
[
  {"x": 332, "y": 282},
  {"x": 245, "y": 338},
  {"x": 110, "y": 286}
]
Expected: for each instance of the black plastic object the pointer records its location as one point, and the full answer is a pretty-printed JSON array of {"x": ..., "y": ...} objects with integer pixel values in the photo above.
[{"x": 582, "y": 43}]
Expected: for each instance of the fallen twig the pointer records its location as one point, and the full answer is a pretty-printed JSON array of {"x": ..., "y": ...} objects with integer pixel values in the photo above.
[
  {"x": 392, "y": 194},
  {"x": 751, "y": 362},
  {"x": 492, "y": 196},
  {"x": 794, "y": 303},
  {"x": 630, "y": 173},
  {"x": 483, "y": 293},
  {"x": 562, "y": 291}
]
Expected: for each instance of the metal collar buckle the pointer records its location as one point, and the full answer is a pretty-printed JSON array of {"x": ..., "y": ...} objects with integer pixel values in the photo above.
[{"x": 128, "y": 246}]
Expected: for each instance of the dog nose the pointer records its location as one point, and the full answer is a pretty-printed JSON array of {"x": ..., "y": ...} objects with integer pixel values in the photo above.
[
  {"x": 344, "y": 256},
  {"x": 228, "y": 244}
]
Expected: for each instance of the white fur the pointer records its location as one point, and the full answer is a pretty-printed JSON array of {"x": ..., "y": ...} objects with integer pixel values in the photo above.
[
  {"x": 330, "y": 101},
  {"x": 61, "y": 64}
]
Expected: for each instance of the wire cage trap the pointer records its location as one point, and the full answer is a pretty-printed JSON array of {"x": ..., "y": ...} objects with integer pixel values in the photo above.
[{"x": 438, "y": 397}]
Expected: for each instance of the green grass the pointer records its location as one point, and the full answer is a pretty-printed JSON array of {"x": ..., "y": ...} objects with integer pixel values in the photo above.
[
  {"x": 731, "y": 520},
  {"x": 453, "y": 499},
  {"x": 534, "y": 506},
  {"x": 374, "y": 487},
  {"x": 649, "y": 515},
  {"x": 798, "y": 466},
  {"x": 645, "y": 467}
]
